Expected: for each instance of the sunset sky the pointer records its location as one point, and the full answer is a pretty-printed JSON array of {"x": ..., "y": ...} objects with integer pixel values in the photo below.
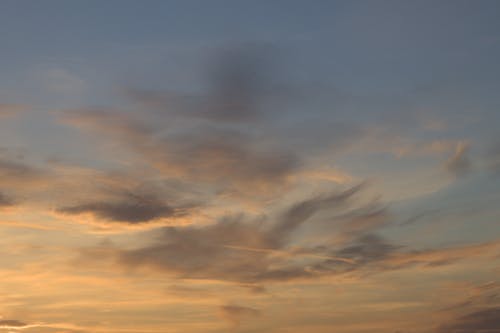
[{"x": 249, "y": 166}]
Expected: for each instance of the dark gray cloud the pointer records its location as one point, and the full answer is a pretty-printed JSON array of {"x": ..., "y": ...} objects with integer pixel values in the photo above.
[
  {"x": 134, "y": 211},
  {"x": 128, "y": 207},
  {"x": 485, "y": 320},
  {"x": 11, "y": 323},
  {"x": 367, "y": 249}
]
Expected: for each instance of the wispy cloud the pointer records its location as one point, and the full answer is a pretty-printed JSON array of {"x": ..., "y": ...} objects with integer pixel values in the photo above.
[
  {"x": 459, "y": 164},
  {"x": 486, "y": 320},
  {"x": 236, "y": 313}
]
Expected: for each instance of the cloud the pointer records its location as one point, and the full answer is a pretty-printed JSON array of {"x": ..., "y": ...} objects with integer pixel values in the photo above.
[
  {"x": 254, "y": 252},
  {"x": 259, "y": 251},
  {"x": 201, "y": 252},
  {"x": 459, "y": 164},
  {"x": 441, "y": 256},
  {"x": 485, "y": 320},
  {"x": 239, "y": 81},
  {"x": 129, "y": 206},
  {"x": 236, "y": 249},
  {"x": 136, "y": 210},
  {"x": 364, "y": 220},
  {"x": 189, "y": 159},
  {"x": 301, "y": 212},
  {"x": 367, "y": 249},
  {"x": 228, "y": 138},
  {"x": 230, "y": 158},
  {"x": 126, "y": 197},
  {"x": 20, "y": 179},
  {"x": 14, "y": 324},
  {"x": 5, "y": 201},
  {"x": 236, "y": 313},
  {"x": 474, "y": 296},
  {"x": 17, "y": 171},
  {"x": 221, "y": 159}
]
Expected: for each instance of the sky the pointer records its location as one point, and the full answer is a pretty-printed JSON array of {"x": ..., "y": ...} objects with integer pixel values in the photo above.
[{"x": 249, "y": 166}]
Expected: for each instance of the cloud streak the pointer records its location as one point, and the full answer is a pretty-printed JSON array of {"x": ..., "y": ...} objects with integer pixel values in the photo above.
[
  {"x": 486, "y": 320},
  {"x": 133, "y": 208},
  {"x": 236, "y": 313}
]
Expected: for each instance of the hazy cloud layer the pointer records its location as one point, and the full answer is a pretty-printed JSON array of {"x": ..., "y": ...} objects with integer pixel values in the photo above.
[{"x": 248, "y": 167}]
